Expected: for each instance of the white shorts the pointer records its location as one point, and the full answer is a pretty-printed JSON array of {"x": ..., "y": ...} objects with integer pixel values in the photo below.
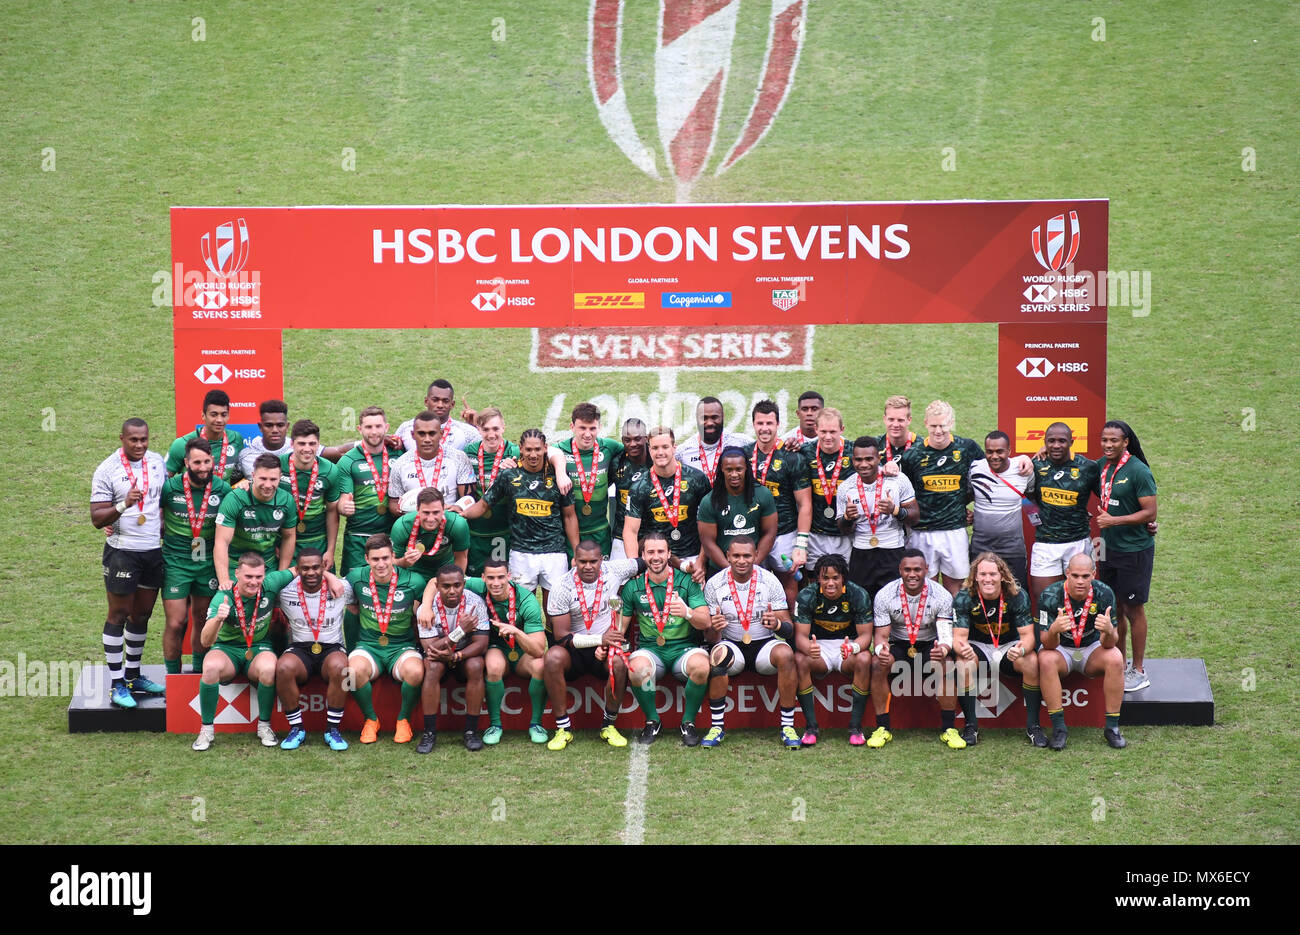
[
  {"x": 529, "y": 569},
  {"x": 616, "y": 550},
  {"x": 1048, "y": 559},
  {"x": 819, "y": 545},
  {"x": 375, "y": 671},
  {"x": 947, "y": 551},
  {"x": 762, "y": 660},
  {"x": 1067, "y": 653},
  {"x": 679, "y": 667},
  {"x": 831, "y": 654},
  {"x": 784, "y": 545},
  {"x": 990, "y": 655}
]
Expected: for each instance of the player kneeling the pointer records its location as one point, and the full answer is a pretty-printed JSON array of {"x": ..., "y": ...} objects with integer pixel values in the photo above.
[
  {"x": 1080, "y": 638},
  {"x": 832, "y": 624},
  {"x": 453, "y": 629},
  {"x": 738, "y": 596},
  {"x": 315, "y": 618},
  {"x": 987, "y": 611}
]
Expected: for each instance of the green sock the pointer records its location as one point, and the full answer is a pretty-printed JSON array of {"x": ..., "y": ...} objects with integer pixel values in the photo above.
[
  {"x": 967, "y": 702},
  {"x": 208, "y": 695},
  {"x": 410, "y": 694},
  {"x": 645, "y": 697},
  {"x": 173, "y": 666},
  {"x": 265, "y": 701},
  {"x": 808, "y": 701},
  {"x": 537, "y": 695},
  {"x": 1033, "y": 701},
  {"x": 1112, "y": 721},
  {"x": 196, "y": 659},
  {"x": 694, "y": 698},
  {"x": 496, "y": 693},
  {"x": 859, "y": 708},
  {"x": 1058, "y": 718},
  {"x": 362, "y": 694}
]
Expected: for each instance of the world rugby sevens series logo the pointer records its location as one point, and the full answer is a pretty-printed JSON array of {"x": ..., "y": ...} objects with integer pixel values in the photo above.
[
  {"x": 1058, "y": 254},
  {"x": 691, "y": 64},
  {"x": 222, "y": 253}
]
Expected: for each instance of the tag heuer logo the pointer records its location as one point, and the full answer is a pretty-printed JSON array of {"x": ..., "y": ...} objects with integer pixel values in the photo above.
[
  {"x": 212, "y": 374},
  {"x": 488, "y": 301},
  {"x": 785, "y": 299}
]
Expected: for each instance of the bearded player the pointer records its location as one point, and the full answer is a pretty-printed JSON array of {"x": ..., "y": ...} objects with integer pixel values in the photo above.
[
  {"x": 736, "y": 507},
  {"x": 627, "y": 468},
  {"x": 260, "y": 519},
  {"x": 453, "y": 631},
  {"x": 783, "y": 473},
  {"x": 516, "y": 643},
  {"x": 703, "y": 451}
]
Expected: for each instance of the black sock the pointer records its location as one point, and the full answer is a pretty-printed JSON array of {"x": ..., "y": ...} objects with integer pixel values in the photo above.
[
  {"x": 610, "y": 718},
  {"x": 882, "y": 720},
  {"x": 471, "y": 722},
  {"x": 1033, "y": 701},
  {"x": 967, "y": 703},
  {"x": 430, "y": 721},
  {"x": 947, "y": 718},
  {"x": 1058, "y": 718}
]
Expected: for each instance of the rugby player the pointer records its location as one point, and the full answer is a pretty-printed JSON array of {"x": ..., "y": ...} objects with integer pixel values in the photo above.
[
  {"x": 1127, "y": 490},
  {"x": 429, "y": 464},
  {"x": 384, "y": 601},
  {"x": 833, "y": 633},
  {"x": 751, "y": 622},
  {"x": 827, "y": 462},
  {"x": 455, "y": 434},
  {"x": 898, "y": 435},
  {"x": 588, "y": 640},
  {"x": 914, "y": 629},
  {"x": 517, "y": 642},
  {"x": 189, "y": 512},
  {"x": 273, "y": 423},
  {"x": 237, "y": 635},
  {"x": 261, "y": 519},
  {"x": 993, "y": 633},
  {"x": 874, "y": 511},
  {"x": 226, "y": 443},
  {"x": 667, "y": 499},
  {"x": 783, "y": 473},
  {"x": 313, "y": 483},
  {"x": 809, "y": 407},
  {"x": 315, "y": 618},
  {"x": 1062, "y": 484},
  {"x": 489, "y": 535},
  {"x": 588, "y": 461},
  {"x": 1078, "y": 636},
  {"x": 430, "y": 536},
  {"x": 363, "y": 491},
  {"x": 453, "y": 631},
  {"x": 125, "y": 496},
  {"x": 670, "y": 612},
  {"x": 627, "y": 468},
  {"x": 997, "y": 491},
  {"x": 702, "y": 451},
  {"x": 736, "y": 507}
]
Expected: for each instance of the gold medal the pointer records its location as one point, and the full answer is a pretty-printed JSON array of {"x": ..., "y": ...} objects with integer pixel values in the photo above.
[
  {"x": 874, "y": 541},
  {"x": 141, "y": 520},
  {"x": 513, "y": 655},
  {"x": 911, "y": 652},
  {"x": 248, "y": 653},
  {"x": 419, "y": 547},
  {"x": 380, "y": 509},
  {"x": 383, "y": 639},
  {"x": 487, "y": 514},
  {"x": 586, "y": 509},
  {"x": 660, "y": 639},
  {"x": 315, "y": 649},
  {"x": 302, "y": 527},
  {"x": 196, "y": 542},
  {"x": 745, "y": 638}
]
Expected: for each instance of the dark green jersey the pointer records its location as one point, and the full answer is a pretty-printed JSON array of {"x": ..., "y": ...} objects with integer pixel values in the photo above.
[
  {"x": 1132, "y": 481},
  {"x": 821, "y": 523},
  {"x": 256, "y": 610},
  {"x": 846, "y": 617},
  {"x": 178, "y": 537},
  {"x": 453, "y": 538},
  {"x": 496, "y": 522},
  {"x": 887, "y": 450},
  {"x": 941, "y": 479},
  {"x": 408, "y": 588},
  {"x": 257, "y": 525},
  {"x": 1005, "y": 616},
  {"x": 624, "y": 474},
  {"x": 233, "y": 446},
  {"x": 593, "y": 522},
  {"x": 645, "y": 504},
  {"x": 356, "y": 479},
  {"x": 535, "y": 507},
  {"x": 528, "y": 612},
  {"x": 637, "y": 604},
  {"x": 739, "y": 517},
  {"x": 782, "y": 476},
  {"x": 1052, "y": 600},
  {"x": 325, "y": 492},
  {"x": 1061, "y": 492}
]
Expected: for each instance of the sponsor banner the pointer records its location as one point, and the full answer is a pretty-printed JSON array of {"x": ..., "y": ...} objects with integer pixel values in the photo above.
[
  {"x": 525, "y": 266},
  {"x": 608, "y": 349},
  {"x": 752, "y": 702},
  {"x": 247, "y": 365},
  {"x": 1052, "y": 373}
]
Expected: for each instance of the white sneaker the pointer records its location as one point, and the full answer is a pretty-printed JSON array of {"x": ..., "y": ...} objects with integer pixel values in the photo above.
[
  {"x": 204, "y": 740},
  {"x": 265, "y": 734},
  {"x": 1135, "y": 679}
]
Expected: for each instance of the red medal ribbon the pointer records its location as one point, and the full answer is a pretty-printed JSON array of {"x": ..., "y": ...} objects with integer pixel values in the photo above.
[
  {"x": 767, "y": 465},
  {"x": 437, "y": 467},
  {"x": 704, "y": 461},
  {"x": 589, "y": 617},
  {"x": 1107, "y": 484},
  {"x": 835, "y": 477},
  {"x": 889, "y": 446},
  {"x": 586, "y": 485},
  {"x": 251, "y": 628},
  {"x": 1076, "y": 633},
  {"x": 311, "y": 485},
  {"x": 874, "y": 516},
  {"x": 613, "y": 652},
  {"x": 677, "y": 493},
  {"x": 484, "y": 481},
  {"x": 747, "y": 617},
  {"x": 387, "y": 615},
  {"x": 320, "y": 608},
  {"x": 913, "y": 624},
  {"x": 660, "y": 619},
  {"x": 441, "y": 608},
  {"x": 144, "y": 474},
  {"x": 415, "y": 532},
  {"x": 196, "y": 525},
  {"x": 1002, "y": 605},
  {"x": 381, "y": 483},
  {"x": 510, "y": 615},
  {"x": 220, "y": 469}
]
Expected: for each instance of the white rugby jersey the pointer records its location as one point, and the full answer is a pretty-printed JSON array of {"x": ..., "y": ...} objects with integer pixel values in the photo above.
[
  {"x": 563, "y": 598},
  {"x": 331, "y": 631},
  {"x": 455, "y": 470},
  {"x": 455, "y": 434},
  {"x": 936, "y": 622},
  {"x": 694, "y": 452},
  {"x": 770, "y": 595},
  {"x": 889, "y": 530},
  {"x": 110, "y": 484},
  {"x": 470, "y": 615}
]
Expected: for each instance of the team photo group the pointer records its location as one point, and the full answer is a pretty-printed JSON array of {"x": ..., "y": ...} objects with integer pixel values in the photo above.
[{"x": 443, "y": 552}]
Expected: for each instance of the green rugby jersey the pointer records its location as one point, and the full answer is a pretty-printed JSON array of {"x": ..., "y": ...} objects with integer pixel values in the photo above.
[
  {"x": 535, "y": 507},
  {"x": 257, "y": 525},
  {"x": 326, "y": 491},
  {"x": 234, "y": 445},
  {"x": 968, "y": 614},
  {"x": 528, "y": 611},
  {"x": 455, "y": 538},
  {"x": 941, "y": 479},
  {"x": 177, "y": 547},
  {"x": 594, "y": 524},
  {"x": 624, "y": 474},
  {"x": 259, "y": 610},
  {"x": 887, "y": 451},
  {"x": 496, "y": 522},
  {"x": 1061, "y": 492},
  {"x": 786, "y": 473},
  {"x": 644, "y": 504},
  {"x": 637, "y": 605},
  {"x": 1132, "y": 481},
  {"x": 408, "y": 589},
  {"x": 822, "y": 524},
  {"x": 1052, "y": 600},
  {"x": 355, "y": 478},
  {"x": 738, "y": 517},
  {"x": 847, "y": 617}
]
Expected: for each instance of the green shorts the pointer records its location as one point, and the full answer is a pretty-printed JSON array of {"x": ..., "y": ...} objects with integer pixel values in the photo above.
[
  {"x": 485, "y": 546},
  {"x": 671, "y": 657},
  {"x": 383, "y": 659},
  {"x": 183, "y": 579},
  {"x": 601, "y": 535},
  {"x": 354, "y": 553},
  {"x": 301, "y": 544},
  {"x": 236, "y": 653},
  {"x": 512, "y": 665}
]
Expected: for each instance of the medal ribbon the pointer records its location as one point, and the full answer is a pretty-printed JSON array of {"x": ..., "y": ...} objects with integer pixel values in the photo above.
[
  {"x": 383, "y": 618},
  {"x": 510, "y": 615},
  {"x": 767, "y": 465},
  {"x": 1076, "y": 633},
  {"x": 587, "y": 484},
  {"x": 835, "y": 477},
  {"x": 320, "y": 609},
  {"x": 677, "y": 493},
  {"x": 437, "y": 467},
  {"x": 196, "y": 525},
  {"x": 220, "y": 469},
  {"x": 985, "y": 611},
  {"x": 913, "y": 624},
  {"x": 484, "y": 481},
  {"x": 251, "y": 628},
  {"x": 305, "y": 502},
  {"x": 415, "y": 532},
  {"x": 747, "y": 617},
  {"x": 144, "y": 474},
  {"x": 704, "y": 460},
  {"x": 381, "y": 484},
  {"x": 874, "y": 516},
  {"x": 889, "y": 446},
  {"x": 1107, "y": 484},
  {"x": 660, "y": 619},
  {"x": 441, "y": 608},
  {"x": 589, "y": 617}
]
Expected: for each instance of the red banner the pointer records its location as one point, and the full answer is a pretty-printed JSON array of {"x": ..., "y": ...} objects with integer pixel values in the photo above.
[{"x": 246, "y": 364}]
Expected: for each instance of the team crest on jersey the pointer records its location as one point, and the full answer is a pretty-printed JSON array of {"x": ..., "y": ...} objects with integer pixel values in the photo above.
[
  {"x": 549, "y": 483},
  {"x": 1074, "y": 473},
  {"x": 844, "y": 605},
  {"x": 956, "y": 455},
  {"x": 739, "y": 521},
  {"x": 214, "y": 500},
  {"x": 776, "y": 465},
  {"x": 278, "y": 514},
  {"x": 686, "y": 485}
]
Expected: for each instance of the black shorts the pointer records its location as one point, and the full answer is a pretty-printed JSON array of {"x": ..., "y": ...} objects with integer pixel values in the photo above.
[
  {"x": 126, "y": 570},
  {"x": 311, "y": 661},
  {"x": 1128, "y": 574},
  {"x": 872, "y": 569},
  {"x": 584, "y": 662},
  {"x": 898, "y": 649},
  {"x": 457, "y": 671}
]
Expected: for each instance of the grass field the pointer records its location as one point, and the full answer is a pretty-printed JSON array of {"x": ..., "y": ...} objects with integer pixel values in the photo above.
[{"x": 1184, "y": 116}]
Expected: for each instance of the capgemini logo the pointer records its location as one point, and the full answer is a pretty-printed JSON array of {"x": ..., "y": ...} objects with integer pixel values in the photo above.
[{"x": 691, "y": 64}]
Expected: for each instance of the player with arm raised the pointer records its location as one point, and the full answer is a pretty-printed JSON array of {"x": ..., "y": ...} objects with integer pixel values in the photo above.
[
  {"x": 313, "y": 483},
  {"x": 997, "y": 490},
  {"x": 125, "y": 496},
  {"x": 273, "y": 424},
  {"x": 364, "y": 472},
  {"x": 627, "y": 468},
  {"x": 516, "y": 643},
  {"x": 453, "y": 630},
  {"x": 261, "y": 519},
  {"x": 667, "y": 499},
  {"x": 736, "y": 507},
  {"x": 489, "y": 534},
  {"x": 874, "y": 510},
  {"x": 226, "y": 443},
  {"x": 827, "y": 462},
  {"x": 783, "y": 472}
]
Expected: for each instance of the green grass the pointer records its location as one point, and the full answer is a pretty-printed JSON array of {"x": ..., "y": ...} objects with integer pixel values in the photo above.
[{"x": 1155, "y": 118}]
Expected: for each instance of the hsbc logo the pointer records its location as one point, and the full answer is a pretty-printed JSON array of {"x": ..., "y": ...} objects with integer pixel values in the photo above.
[
  {"x": 212, "y": 374},
  {"x": 225, "y": 249},
  {"x": 488, "y": 301},
  {"x": 1056, "y": 244},
  {"x": 211, "y": 299},
  {"x": 1040, "y": 294},
  {"x": 1033, "y": 367}
]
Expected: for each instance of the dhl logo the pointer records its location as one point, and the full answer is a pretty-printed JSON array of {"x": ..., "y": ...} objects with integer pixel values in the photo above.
[
  {"x": 1055, "y": 497},
  {"x": 941, "y": 483},
  {"x": 1031, "y": 432},
  {"x": 609, "y": 300},
  {"x": 533, "y": 507}
]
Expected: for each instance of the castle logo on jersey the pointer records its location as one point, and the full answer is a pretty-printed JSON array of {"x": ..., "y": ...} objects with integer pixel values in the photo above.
[
  {"x": 1052, "y": 249},
  {"x": 692, "y": 64},
  {"x": 223, "y": 254}
]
